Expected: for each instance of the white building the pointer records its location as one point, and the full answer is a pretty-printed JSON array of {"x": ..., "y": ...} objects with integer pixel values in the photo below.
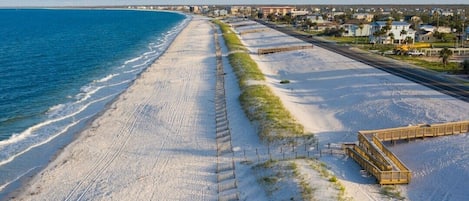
[
  {"x": 400, "y": 31},
  {"x": 352, "y": 30},
  {"x": 317, "y": 18},
  {"x": 363, "y": 16}
]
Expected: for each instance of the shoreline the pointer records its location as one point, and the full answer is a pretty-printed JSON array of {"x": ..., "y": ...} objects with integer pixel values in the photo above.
[
  {"x": 14, "y": 187},
  {"x": 146, "y": 137}
]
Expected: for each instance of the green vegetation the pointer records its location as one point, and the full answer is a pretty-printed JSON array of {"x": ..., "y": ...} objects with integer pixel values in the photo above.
[
  {"x": 232, "y": 41},
  {"x": 306, "y": 190},
  {"x": 436, "y": 66},
  {"x": 258, "y": 101},
  {"x": 445, "y": 54},
  {"x": 333, "y": 179},
  {"x": 245, "y": 68},
  {"x": 325, "y": 173},
  {"x": 273, "y": 175},
  {"x": 443, "y": 66},
  {"x": 261, "y": 105},
  {"x": 348, "y": 40},
  {"x": 392, "y": 192}
]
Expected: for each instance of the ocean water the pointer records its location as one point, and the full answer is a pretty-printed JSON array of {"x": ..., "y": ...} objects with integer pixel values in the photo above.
[{"x": 59, "y": 69}]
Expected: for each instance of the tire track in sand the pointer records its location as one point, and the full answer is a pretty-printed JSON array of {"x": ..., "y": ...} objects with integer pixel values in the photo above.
[{"x": 105, "y": 161}]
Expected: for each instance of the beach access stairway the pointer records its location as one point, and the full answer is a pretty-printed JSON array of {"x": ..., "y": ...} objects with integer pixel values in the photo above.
[
  {"x": 375, "y": 158},
  {"x": 225, "y": 168}
]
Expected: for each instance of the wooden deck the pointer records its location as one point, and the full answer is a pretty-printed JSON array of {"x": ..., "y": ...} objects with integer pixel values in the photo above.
[
  {"x": 242, "y": 25},
  {"x": 253, "y": 31},
  {"x": 374, "y": 157},
  {"x": 283, "y": 49}
]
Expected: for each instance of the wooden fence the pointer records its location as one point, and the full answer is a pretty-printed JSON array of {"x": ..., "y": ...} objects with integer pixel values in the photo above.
[
  {"x": 379, "y": 161},
  {"x": 282, "y": 49}
]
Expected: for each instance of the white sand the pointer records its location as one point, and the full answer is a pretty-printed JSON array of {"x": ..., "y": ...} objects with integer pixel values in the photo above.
[
  {"x": 157, "y": 142},
  {"x": 334, "y": 97}
]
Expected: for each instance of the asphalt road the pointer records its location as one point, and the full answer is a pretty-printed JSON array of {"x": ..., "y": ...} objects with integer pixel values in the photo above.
[{"x": 424, "y": 77}]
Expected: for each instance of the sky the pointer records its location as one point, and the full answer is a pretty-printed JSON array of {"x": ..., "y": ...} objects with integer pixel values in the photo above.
[{"x": 211, "y": 2}]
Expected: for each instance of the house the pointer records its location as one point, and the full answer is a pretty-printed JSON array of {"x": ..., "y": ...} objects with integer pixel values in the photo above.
[
  {"x": 430, "y": 28},
  {"x": 398, "y": 33},
  {"x": 316, "y": 18},
  {"x": 295, "y": 13},
  {"x": 425, "y": 36},
  {"x": 363, "y": 16},
  {"x": 281, "y": 10},
  {"x": 353, "y": 29}
]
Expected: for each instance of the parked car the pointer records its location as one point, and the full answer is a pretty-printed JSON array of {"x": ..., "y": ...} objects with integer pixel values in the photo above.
[{"x": 415, "y": 53}]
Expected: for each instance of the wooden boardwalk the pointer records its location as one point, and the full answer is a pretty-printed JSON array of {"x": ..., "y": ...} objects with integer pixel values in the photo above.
[
  {"x": 379, "y": 161},
  {"x": 253, "y": 31},
  {"x": 282, "y": 49}
]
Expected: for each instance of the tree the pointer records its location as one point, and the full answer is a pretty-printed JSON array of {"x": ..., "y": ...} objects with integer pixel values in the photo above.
[
  {"x": 360, "y": 26},
  {"x": 402, "y": 33},
  {"x": 408, "y": 40},
  {"x": 391, "y": 35},
  {"x": 445, "y": 54}
]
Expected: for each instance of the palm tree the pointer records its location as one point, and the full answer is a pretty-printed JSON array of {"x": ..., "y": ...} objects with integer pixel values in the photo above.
[
  {"x": 445, "y": 54},
  {"x": 391, "y": 35},
  {"x": 403, "y": 32},
  {"x": 360, "y": 26}
]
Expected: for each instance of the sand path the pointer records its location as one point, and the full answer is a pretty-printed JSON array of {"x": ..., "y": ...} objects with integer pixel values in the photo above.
[{"x": 156, "y": 142}]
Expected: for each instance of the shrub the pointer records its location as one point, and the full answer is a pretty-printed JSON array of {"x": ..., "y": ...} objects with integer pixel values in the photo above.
[
  {"x": 257, "y": 100},
  {"x": 333, "y": 179}
]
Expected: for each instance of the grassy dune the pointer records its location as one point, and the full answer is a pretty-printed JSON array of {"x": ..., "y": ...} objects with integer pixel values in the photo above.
[{"x": 258, "y": 101}]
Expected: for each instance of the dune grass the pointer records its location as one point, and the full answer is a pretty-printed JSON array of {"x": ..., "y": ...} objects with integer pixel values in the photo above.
[{"x": 258, "y": 101}]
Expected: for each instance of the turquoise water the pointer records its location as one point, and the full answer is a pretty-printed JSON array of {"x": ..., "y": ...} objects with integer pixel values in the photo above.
[{"x": 59, "y": 69}]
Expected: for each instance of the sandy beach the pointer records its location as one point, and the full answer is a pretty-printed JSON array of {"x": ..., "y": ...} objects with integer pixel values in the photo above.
[{"x": 155, "y": 142}]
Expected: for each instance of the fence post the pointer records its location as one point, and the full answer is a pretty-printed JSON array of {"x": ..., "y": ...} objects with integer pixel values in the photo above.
[
  {"x": 245, "y": 155},
  {"x": 258, "y": 157}
]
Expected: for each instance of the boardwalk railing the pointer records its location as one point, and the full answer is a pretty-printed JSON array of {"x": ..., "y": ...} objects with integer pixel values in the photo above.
[
  {"x": 379, "y": 161},
  {"x": 420, "y": 131}
]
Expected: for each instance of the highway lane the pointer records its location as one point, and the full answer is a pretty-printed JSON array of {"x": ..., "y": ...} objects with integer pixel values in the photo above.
[{"x": 421, "y": 76}]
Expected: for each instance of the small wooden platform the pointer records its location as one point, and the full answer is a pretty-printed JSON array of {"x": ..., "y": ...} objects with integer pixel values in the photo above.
[
  {"x": 253, "y": 31},
  {"x": 242, "y": 25},
  {"x": 283, "y": 49}
]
